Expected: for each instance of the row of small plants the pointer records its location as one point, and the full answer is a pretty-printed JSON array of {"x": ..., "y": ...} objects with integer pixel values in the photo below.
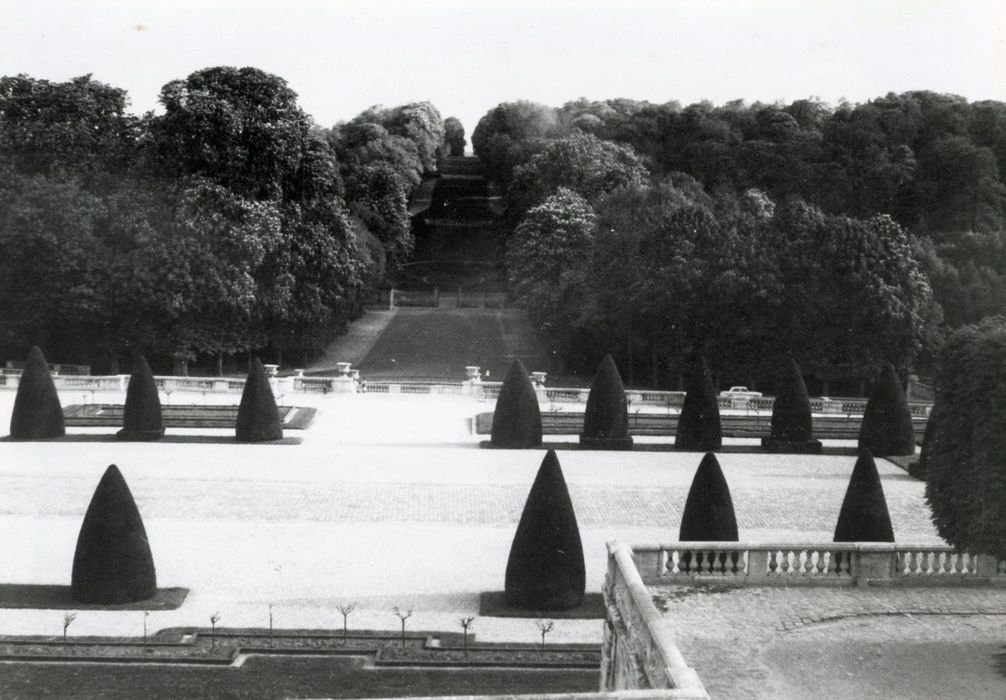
[{"x": 222, "y": 645}]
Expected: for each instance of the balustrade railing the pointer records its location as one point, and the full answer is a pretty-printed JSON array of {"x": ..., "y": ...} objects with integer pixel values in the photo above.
[
  {"x": 824, "y": 407},
  {"x": 810, "y": 564}
]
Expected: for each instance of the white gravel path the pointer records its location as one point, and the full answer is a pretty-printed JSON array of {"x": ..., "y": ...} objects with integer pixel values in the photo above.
[{"x": 388, "y": 501}]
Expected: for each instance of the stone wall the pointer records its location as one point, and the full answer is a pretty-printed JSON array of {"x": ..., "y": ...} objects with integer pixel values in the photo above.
[{"x": 638, "y": 649}]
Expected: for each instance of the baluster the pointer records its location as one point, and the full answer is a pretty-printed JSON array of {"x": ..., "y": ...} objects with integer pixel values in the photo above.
[
  {"x": 912, "y": 563},
  {"x": 819, "y": 565},
  {"x": 686, "y": 561},
  {"x": 839, "y": 559},
  {"x": 734, "y": 559},
  {"x": 772, "y": 564},
  {"x": 957, "y": 564}
]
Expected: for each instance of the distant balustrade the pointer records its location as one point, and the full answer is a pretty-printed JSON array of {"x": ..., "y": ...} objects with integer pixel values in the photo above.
[
  {"x": 815, "y": 564},
  {"x": 831, "y": 415}
]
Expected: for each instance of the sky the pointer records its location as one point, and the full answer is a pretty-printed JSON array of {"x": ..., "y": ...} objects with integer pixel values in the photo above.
[{"x": 342, "y": 57}]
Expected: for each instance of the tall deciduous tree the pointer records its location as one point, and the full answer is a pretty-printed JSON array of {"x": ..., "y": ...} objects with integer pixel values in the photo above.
[
  {"x": 78, "y": 128},
  {"x": 454, "y": 136}
]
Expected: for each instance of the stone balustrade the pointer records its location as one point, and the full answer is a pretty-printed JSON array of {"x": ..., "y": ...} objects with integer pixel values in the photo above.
[
  {"x": 348, "y": 380},
  {"x": 812, "y": 564},
  {"x": 638, "y": 650}
]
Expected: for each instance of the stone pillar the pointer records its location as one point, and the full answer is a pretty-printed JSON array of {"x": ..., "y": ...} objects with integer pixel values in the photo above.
[
  {"x": 876, "y": 564},
  {"x": 648, "y": 564},
  {"x": 757, "y": 564},
  {"x": 343, "y": 385}
]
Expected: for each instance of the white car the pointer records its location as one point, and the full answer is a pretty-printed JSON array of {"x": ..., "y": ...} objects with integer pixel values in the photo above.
[{"x": 741, "y": 392}]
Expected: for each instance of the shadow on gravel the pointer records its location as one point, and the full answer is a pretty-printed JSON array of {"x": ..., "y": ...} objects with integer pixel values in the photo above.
[
  {"x": 173, "y": 439},
  {"x": 55, "y": 597}
]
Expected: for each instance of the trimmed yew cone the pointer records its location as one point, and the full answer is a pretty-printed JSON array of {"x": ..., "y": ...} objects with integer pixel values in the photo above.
[
  {"x": 699, "y": 422},
  {"x": 258, "y": 415},
  {"x": 112, "y": 563},
  {"x": 37, "y": 413},
  {"x": 545, "y": 570},
  {"x": 142, "y": 419},
  {"x": 887, "y": 429},
  {"x": 516, "y": 418},
  {"x": 709, "y": 510},
  {"x": 864, "y": 516},
  {"x": 606, "y": 420},
  {"x": 792, "y": 426}
]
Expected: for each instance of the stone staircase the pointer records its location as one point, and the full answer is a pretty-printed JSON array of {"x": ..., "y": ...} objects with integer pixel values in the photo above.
[{"x": 459, "y": 223}]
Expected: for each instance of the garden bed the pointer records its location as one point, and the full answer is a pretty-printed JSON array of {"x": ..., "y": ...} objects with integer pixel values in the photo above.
[
  {"x": 92, "y": 415},
  {"x": 187, "y": 645}
]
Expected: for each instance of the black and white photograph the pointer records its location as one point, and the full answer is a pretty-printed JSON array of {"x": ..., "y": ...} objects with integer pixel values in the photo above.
[{"x": 556, "y": 350}]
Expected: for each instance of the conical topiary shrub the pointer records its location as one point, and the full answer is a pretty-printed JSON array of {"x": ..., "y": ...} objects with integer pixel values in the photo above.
[
  {"x": 699, "y": 422},
  {"x": 517, "y": 418},
  {"x": 545, "y": 570},
  {"x": 606, "y": 421},
  {"x": 37, "y": 413},
  {"x": 112, "y": 563},
  {"x": 887, "y": 421},
  {"x": 142, "y": 417},
  {"x": 864, "y": 516},
  {"x": 792, "y": 427},
  {"x": 920, "y": 468},
  {"x": 258, "y": 415},
  {"x": 709, "y": 510}
]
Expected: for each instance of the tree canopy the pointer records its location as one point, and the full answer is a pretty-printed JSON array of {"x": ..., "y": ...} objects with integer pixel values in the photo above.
[{"x": 228, "y": 223}]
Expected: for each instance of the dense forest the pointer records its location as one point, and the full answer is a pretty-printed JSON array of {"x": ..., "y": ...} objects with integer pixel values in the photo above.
[
  {"x": 228, "y": 223},
  {"x": 844, "y": 235}
]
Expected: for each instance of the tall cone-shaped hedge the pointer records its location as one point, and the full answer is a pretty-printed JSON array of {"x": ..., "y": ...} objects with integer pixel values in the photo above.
[
  {"x": 887, "y": 421},
  {"x": 792, "y": 427},
  {"x": 965, "y": 444},
  {"x": 864, "y": 516},
  {"x": 545, "y": 570},
  {"x": 258, "y": 415},
  {"x": 142, "y": 417},
  {"x": 517, "y": 418},
  {"x": 709, "y": 510},
  {"x": 699, "y": 422},
  {"x": 112, "y": 563},
  {"x": 606, "y": 421},
  {"x": 37, "y": 413},
  {"x": 920, "y": 467}
]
